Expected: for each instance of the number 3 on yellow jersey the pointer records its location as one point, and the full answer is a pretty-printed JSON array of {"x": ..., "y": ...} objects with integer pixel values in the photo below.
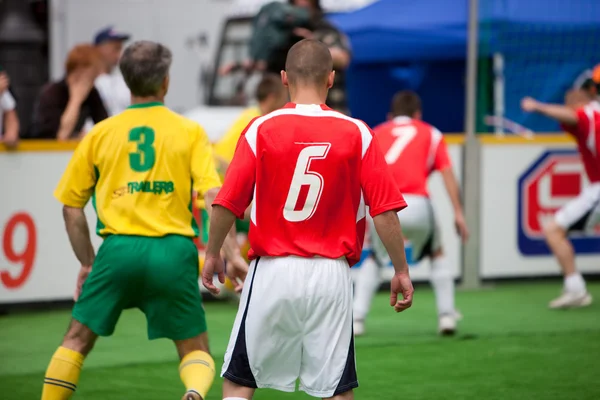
[{"x": 143, "y": 159}]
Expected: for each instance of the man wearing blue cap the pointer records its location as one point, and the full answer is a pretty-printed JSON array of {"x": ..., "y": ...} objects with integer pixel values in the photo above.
[{"x": 113, "y": 90}]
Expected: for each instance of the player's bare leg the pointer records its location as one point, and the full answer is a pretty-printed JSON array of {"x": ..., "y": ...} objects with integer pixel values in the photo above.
[
  {"x": 575, "y": 293},
  {"x": 365, "y": 288},
  {"x": 233, "y": 391},
  {"x": 197, "y": 368},
  {"x": 443, "y": 288},
  {"x": 79, "y": 338},
  {"x": 349, "y": 395},
  {"x": 62, "y": 375}
]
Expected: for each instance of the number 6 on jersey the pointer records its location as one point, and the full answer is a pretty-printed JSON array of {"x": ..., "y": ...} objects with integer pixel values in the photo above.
[{"x": 304, "y": 177}]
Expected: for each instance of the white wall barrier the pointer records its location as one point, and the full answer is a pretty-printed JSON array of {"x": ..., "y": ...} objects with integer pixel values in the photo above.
[{"x": 523, "y": 184}]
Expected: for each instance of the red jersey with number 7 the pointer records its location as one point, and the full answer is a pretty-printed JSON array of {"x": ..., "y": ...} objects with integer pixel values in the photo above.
[
  {"x": 310, "y": 171},
  {"x": 413, "y": 149}
]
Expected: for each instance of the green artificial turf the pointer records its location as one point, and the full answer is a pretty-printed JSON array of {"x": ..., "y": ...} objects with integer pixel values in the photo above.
[{"x": 509, "y": 347}]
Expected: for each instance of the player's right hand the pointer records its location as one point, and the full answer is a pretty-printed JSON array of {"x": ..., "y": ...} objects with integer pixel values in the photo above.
[
  {"x": 401, "y": 285},
  {"x": 461, "y": 227},
  {"x": 529, "y": 104},
  {"x": 213, "y": 264}
]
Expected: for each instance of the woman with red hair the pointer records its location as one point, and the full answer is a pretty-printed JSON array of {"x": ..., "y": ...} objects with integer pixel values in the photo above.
[{"x": 64, "y": 106}]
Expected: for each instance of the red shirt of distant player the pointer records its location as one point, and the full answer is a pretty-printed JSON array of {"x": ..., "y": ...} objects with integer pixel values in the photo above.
[
  {"x": 413, "y": 149},
  {"x": 587, "y": 135},
  {"x": 310, "y": 171}
]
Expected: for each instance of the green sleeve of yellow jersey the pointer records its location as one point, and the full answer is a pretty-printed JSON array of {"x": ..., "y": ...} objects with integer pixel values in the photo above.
[
  {"x": 204, "y": 171},
  {"x": 78, "y": 181}
]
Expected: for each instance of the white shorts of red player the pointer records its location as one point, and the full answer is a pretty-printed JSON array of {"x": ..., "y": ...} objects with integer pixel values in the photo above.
[
  {"x": 419, "y": 226},
  {"x": 582, "y": 214},
  {"x": 294, "y": 323}
]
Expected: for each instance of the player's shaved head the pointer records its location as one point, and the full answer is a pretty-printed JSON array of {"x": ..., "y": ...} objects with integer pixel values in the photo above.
[{"x": 308, "y": 62}]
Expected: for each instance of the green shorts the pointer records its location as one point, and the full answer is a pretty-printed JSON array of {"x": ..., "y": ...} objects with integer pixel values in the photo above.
[{"x": 157, "y": 275}]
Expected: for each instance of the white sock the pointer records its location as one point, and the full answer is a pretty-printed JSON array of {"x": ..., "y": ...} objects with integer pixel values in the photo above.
[
  {"x": 574, "y": 283},
  {"x": 443, "y": 285},
  {"x": 366, "y": 283},
  {"x": 234, "y": 398}
]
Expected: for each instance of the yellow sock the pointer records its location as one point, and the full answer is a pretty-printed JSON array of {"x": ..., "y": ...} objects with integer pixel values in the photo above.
[
  {"x": 62, "y": 374},
  {"x": 197, "y": 371}
]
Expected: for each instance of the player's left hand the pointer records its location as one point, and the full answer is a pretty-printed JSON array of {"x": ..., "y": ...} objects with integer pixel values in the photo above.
[
  {"x": 461, "y": 227},
  {"x": 237, "y": 269},
  {"x": 83, "y": 274},
  {"x": 213, "y": 264},
  {"x": 529, "y": 104}
]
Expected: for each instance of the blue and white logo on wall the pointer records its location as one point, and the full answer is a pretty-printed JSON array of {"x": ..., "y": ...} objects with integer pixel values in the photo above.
[{"x": 554, "y": 179}]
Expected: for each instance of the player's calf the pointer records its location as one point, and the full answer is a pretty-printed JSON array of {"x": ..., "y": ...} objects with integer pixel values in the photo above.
[
  {"x": 197, "y": 368},
  {"x": 349, "y": 395},
  {"x": 233, "y": 391},
  {"x": 79, "y": 338},
  {"x": 62, "y": 375},
  {"x": 557, "y": 240}
]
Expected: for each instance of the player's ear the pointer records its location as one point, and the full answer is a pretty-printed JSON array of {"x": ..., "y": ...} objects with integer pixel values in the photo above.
[
  {"x": 390, "y": 116},
  {"x": 284, "y": 78},
  {"x": 330, "y": 79},
  {"x": 165, "y": 84}
]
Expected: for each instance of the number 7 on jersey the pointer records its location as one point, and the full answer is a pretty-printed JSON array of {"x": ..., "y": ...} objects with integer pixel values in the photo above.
[
  {"x": 303, "y": 176},
  {"x": 404, "y": 135}
]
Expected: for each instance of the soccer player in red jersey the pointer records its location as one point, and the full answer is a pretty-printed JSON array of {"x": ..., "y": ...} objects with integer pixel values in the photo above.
[
  {"x": 310, "y": 171},
  {"x": 580, "y": 117},
  {"x": 414, "y": 149}
]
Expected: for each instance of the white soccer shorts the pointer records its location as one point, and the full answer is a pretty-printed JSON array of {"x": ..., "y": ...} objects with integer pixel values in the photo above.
[
  {"x": 419, "y": 226},
  {"x": 583, "y": 212},
  {"x": 294, "y": 322}
]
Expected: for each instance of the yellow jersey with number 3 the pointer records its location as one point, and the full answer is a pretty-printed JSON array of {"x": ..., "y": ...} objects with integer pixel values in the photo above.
[{"x": 140, "y": 168}]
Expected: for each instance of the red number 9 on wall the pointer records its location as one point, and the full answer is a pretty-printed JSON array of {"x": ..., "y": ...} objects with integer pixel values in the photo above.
[{"x": 26, "y": 257}]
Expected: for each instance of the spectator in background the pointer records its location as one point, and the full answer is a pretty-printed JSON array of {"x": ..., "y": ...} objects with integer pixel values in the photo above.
[
  {"x": 9, "y": 121},
  {"x": 110, "y": 84},
  {"x": 64, "y": 106},
  {"x": 278, "y": 26},
  {"x": 338, "y": 45}
]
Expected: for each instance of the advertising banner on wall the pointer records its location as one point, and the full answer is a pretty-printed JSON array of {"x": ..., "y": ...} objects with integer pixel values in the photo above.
[{"x": 523, "y": 187}]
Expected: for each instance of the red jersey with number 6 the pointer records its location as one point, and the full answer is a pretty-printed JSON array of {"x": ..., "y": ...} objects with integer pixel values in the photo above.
[
  {"x": 413, "y": 149},
  {"x": 587, "y": 135},
  {"x": 310, "y": 171}
]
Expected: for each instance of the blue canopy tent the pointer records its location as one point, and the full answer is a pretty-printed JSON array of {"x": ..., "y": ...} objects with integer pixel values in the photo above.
[{"x": 421, "y": 45}]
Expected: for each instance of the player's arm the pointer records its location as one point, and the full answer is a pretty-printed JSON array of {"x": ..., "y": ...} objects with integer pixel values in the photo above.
[
  {"x": 11, "y": 120},
  {"x": 79, "y": 235},
  {"x": 232, "y": 201},
  {"x": 74, "y": 191},
  {"x": 562, "y": 114},
  {"x": 231, "y": 247},
  {"x": 206, "y": 183},
  {"x": 443, "y": 164},
  {"x": 384, "y": 201}
]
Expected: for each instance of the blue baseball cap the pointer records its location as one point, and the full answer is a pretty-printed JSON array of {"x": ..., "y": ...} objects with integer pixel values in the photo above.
[{"x": 108, "y": 34}]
